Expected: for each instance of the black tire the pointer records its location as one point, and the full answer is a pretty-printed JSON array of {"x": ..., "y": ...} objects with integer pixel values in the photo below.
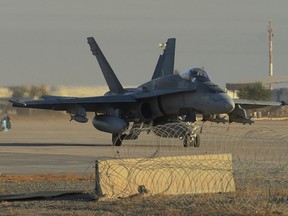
[
  {"x": 196, "y": 141},
  {"x": 117, "y": 139},
  {"x": 186, "y": 140}
]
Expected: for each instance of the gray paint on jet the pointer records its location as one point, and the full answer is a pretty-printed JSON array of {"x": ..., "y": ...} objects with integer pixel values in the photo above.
[{"x": 167, "y": 96}]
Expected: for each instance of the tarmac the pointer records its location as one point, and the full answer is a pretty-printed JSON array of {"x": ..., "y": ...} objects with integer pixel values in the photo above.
[{"x": 49, "y": 144}]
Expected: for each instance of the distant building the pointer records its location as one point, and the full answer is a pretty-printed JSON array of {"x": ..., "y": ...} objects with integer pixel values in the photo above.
[{"x": 279, "y": 94}]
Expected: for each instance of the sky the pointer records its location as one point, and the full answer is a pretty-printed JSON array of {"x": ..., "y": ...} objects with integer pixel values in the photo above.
[{"x": 44, "y": 41}]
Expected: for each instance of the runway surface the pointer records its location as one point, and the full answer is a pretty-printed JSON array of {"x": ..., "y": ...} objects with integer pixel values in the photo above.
[{"x": 56, "y": 145}]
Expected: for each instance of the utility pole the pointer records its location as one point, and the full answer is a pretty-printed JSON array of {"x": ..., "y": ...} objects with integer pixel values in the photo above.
[{"x": 270, "y": 31}]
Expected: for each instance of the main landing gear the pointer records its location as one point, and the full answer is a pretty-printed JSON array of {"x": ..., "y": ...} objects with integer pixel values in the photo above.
[
  {"x": 191, "y": 140},
  {"x": 185, "y": 131},
  {"x": 133, "y": 134},
  {"x": 117, "y": 139}
]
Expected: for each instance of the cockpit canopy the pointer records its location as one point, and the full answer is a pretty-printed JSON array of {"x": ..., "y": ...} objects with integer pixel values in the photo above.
[{"x": 195, "y": 75}]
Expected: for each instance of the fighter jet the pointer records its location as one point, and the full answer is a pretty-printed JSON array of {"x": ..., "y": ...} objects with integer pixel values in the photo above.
[{"x": 165, "y": 100}]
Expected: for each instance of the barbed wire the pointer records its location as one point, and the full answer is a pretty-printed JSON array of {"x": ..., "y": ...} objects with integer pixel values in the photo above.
[{"x": 258, "y": 169}]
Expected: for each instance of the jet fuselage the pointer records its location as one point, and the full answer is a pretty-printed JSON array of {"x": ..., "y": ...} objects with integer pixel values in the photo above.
[
  {"x": 182, "y": 98},
  {"x": 203, "y": 97}
]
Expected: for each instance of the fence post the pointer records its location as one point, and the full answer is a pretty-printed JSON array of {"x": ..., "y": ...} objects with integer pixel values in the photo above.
[{"x": 97, "y": 190}]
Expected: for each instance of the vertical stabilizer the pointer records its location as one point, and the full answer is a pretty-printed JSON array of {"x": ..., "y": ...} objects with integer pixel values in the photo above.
[
  {"x": 165, "y": 64},
  {"x": 158, "y": 69},
  {"x": 169, "y": 56},
  {"x": 109, "y": 75}
]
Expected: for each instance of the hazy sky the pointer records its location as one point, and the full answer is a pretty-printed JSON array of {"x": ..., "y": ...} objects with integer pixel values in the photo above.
[{"x": 44, "y": 41}]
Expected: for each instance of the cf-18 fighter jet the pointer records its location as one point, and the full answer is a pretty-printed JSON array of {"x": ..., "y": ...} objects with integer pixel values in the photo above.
[{"x": 164, "y": 100}]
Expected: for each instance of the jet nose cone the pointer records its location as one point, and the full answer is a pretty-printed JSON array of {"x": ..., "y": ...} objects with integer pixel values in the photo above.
[{"x": 230, "y": 105}]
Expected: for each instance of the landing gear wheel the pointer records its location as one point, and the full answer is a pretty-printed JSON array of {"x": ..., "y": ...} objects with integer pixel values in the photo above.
[
  {"x": 186, "y": 140},
  {"x": 191, "y": 141},
  {"x": 196, "y": 141},
  {"x": 117, "y": 139}
]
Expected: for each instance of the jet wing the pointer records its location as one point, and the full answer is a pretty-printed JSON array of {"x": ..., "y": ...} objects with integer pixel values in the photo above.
[
  {"x": 92, "y": 104},
  {"x": 255, "y": 104}
]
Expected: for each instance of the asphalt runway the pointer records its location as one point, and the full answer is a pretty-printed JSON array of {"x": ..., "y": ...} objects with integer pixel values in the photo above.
[{"x": 56, "y": 145}]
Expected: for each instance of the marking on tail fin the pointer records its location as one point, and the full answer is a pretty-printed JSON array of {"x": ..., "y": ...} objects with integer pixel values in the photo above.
[{"x": 108, "y": 73}]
